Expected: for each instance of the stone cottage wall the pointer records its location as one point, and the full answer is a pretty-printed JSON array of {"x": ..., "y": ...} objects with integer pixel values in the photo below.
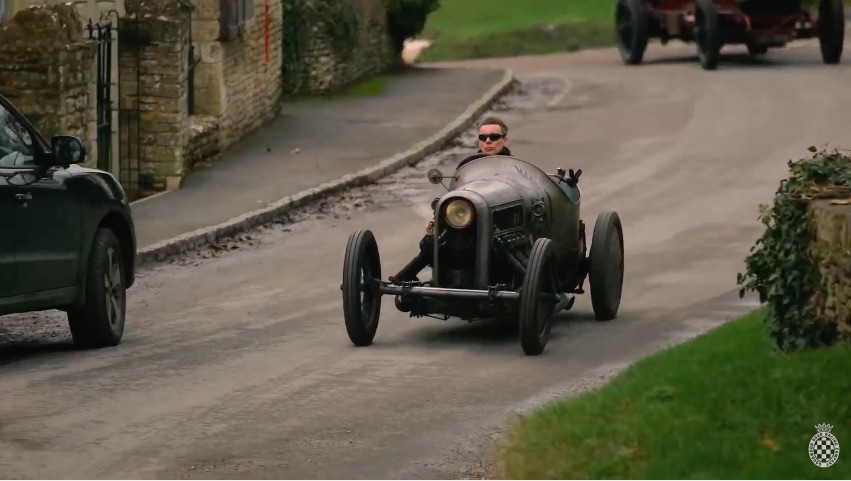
[
  {"x": 45, "y": 70},
  {"x": 153, "y": 70},
  {"x": 237, "y": 87},
  {"x": 252, "y": 81},
  {"x": 329, "y": 44}
]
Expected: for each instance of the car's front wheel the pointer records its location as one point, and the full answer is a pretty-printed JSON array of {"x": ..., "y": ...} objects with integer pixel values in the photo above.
[{"x": 100, "y": 322}]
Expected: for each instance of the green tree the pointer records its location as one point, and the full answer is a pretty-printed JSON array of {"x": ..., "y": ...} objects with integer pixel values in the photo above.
[{"x": 407, "y": 18}]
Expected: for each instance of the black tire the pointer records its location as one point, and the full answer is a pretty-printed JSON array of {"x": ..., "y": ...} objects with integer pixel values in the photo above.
[
  {"x": 607, "y": 266},
  {"x": 361, "y": 315},
  {"x": 537, "y": 298},
  {"x": 707, "y": 34},
  {"x": 100, "y": 322},
  {"x": 831, "y": 32},
  {"x": 631, "y": 30}
]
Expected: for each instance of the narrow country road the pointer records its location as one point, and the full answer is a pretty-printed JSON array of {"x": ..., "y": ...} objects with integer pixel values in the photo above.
[{"x": 236, "y": 363}]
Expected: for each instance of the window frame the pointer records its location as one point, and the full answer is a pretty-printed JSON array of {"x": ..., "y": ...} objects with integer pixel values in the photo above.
[
  {"x": 41, "y": 148},
  {"x": 235, "y": 17}
]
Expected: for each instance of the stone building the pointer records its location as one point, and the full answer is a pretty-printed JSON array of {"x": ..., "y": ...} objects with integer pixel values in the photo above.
[
  {"x": 58, "y": 43},
  {"x": 180, "y": 80},
  {"x": 236, "y": 79}
]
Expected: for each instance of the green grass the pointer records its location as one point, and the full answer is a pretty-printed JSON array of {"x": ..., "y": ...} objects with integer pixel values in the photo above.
[
  {"x": 497, "y": 28},
  {"x": 367, "y": 88},
  {"x": 723, "y": 405}
]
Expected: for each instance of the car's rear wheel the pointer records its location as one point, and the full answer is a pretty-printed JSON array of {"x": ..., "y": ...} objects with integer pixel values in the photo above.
[
  {"x": 607, "y": 266},
  {"x": 100, "y": 322},
  {"x": 361, "y": 295},
  {"x": 831, "y": 30},
  {"x": 707, "y": 33},
  {"x": 537, "y": 298},
  {"x": 631, "y": 23}
]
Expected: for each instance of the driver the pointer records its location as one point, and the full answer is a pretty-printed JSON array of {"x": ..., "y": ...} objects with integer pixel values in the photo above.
[{"x": 493, "y": 140}]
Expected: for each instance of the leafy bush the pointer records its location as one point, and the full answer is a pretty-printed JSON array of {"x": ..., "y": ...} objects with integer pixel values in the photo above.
[
  {"x": 783, "y": 264},
  {"x": 406, "y": 18}
]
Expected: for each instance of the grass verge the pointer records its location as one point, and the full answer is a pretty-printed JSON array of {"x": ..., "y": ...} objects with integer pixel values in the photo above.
[
  {"x": 721, "y": 406},
  {"x": 367, "y": 88},
  {"x": 465, "y": 29}
]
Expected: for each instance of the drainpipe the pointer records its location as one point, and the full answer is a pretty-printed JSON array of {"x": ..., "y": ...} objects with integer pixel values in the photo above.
[{"x": 188, "y": 7}]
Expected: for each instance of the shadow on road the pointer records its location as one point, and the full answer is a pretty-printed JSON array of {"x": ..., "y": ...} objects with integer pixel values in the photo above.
[
  {"x": 13, "y": 351},
  {"x": 742, "y": 60},
  {"x": 489, "y": 332}
]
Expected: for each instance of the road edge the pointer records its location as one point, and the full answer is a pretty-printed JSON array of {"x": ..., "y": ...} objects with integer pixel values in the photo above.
[{"x": 210, "y": 234}]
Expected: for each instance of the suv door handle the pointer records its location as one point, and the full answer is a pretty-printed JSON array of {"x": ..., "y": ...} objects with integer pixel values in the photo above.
[{"x": 23, "y": 197}]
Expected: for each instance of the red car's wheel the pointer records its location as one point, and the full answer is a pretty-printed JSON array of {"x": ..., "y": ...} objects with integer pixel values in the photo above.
[
  {"x": 831, "y": 30},
  {"x": 707, "y": 34},
  {"x": 631, "y": 22}
]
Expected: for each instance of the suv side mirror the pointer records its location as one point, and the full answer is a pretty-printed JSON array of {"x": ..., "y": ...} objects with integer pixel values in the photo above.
[{"x": 68, "y": 149}]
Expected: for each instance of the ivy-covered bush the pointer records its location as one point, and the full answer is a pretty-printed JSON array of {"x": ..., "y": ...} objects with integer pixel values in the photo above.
[
  {"x": 783, "y": 265},
  {"x": 406, "y": 18}
]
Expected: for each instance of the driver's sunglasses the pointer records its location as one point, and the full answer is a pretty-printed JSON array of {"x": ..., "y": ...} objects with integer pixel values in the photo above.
[{"x": 493, "y": 137}]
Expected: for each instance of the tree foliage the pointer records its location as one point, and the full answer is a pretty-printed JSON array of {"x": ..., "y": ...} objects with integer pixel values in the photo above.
[
  {"x": 407, "y": 18},
  {"x": 783, "y": 265}
]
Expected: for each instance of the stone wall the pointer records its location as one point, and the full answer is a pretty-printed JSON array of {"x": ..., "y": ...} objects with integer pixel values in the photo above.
[
  {"x": 238, "y": 76},
  {"x": 45, "y": 69},
  {"x": 153, "y": 70},
  {"x": 833, "y": 231},
  {"x": 235, "y": 81},
  {"x": 328, "y": 45},
  {"x": 234, "y": 87}
]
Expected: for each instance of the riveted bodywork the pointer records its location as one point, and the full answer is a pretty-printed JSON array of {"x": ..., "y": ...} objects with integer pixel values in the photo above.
[
  {"x": 504, "y": 191},
  {"x": 478, "y": 270}
]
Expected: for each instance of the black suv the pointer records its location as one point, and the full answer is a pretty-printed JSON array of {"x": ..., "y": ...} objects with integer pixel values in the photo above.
[{"x": 67, "y": 239}]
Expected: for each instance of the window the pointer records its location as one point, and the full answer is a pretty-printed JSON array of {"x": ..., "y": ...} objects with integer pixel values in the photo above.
[
  {"x": 236, "y": 16},
  {"x": 16, "y": 146}
]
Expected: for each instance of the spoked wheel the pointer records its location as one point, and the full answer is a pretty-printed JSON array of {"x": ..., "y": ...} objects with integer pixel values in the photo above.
[
  {"x": 100, "y": 321},
  {"x": 707, "y": 34},
  {"x": 361, "y": 294},
  {"x": 631, "y": 22},
  {"x": 831, "y": 30},
  {"x": 537, "y": 298},
  {"x": 607, "y": 266}
]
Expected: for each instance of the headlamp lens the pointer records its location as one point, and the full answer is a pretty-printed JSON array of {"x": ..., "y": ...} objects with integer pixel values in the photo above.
[{"x": 459, "y": 213}]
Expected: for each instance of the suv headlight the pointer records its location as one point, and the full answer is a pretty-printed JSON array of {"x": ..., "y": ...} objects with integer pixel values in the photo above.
[{"x": 459, "y": 213}]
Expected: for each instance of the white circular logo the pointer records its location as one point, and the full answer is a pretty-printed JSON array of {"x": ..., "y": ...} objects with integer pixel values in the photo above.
[{"x": 824, "y": 447}]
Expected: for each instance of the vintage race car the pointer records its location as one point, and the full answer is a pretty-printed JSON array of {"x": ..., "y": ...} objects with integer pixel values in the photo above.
[
  {"x": 509, "y": 241},
  {"x": 712, "y": 24}
]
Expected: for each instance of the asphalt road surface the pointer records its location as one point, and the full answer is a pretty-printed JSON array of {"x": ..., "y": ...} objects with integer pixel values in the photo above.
[{"x": 236, "y": 362}]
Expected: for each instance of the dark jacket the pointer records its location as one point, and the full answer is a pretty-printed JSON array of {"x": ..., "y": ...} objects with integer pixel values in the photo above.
[{"x": 480, "y": 154}]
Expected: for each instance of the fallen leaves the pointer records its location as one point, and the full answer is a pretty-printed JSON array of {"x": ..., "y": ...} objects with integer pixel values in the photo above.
[{"x": 770, "y": 444}]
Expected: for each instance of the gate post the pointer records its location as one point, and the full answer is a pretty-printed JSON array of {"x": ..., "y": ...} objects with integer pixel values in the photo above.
[{"x": 101, "y": 35}]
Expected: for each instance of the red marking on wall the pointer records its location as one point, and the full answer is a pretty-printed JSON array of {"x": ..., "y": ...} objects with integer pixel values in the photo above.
[{"x": 266, "y": 30}]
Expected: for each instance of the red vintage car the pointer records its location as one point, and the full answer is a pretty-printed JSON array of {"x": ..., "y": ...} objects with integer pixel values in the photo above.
[{"x": 711, "y": 24}]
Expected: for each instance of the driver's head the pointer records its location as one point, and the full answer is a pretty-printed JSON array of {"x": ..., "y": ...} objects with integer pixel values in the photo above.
[{"x": 492, "y": 135}]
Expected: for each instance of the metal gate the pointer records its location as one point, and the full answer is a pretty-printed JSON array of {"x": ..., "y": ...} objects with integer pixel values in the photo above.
[{"x": 101, "y": 35}]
